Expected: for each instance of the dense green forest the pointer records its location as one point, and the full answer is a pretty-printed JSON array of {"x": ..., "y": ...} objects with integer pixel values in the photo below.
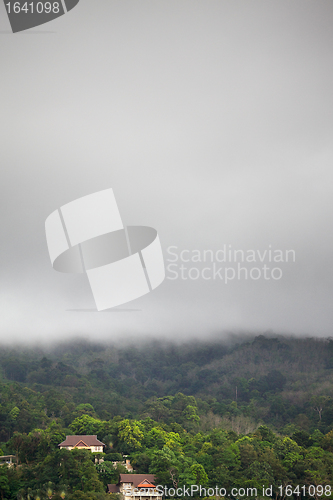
[{"x": 249, "y": 413}]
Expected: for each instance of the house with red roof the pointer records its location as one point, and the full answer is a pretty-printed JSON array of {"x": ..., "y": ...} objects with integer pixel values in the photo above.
[
  {"x": 83, "y": 443},
  {"x": 136, "y": 487}
]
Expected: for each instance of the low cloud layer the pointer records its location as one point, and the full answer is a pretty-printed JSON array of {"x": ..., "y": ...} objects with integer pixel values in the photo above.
[{"x": 210, "y": 121}]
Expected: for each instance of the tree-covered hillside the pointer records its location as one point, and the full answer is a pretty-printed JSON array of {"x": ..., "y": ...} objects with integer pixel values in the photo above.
[
  {"x": 286, "y": 383},
  {"x": 248, "y": 412}
]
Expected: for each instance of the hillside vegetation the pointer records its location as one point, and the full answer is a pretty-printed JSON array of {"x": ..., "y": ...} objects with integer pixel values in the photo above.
[{"x": 252, "y": 412}]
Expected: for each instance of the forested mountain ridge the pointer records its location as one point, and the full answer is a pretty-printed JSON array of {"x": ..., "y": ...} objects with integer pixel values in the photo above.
[
  {"x": 249, "y": 413},
  {"x": 277, "y": 381}
]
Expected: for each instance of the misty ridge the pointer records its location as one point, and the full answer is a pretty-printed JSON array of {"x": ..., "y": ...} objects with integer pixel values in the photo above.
[
  {"x": 237, "y": 383},
  {"x": 247, "y": 412}
]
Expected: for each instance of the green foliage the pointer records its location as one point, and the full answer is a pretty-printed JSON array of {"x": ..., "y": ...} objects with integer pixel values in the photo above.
[
  {"x": 253, "y": 414},
  {"x": 199, "y": 474},
  {"x": 86, "y": 424},
  {"x": 130, "y": 435},
  {"x": 4, "y": 481}
]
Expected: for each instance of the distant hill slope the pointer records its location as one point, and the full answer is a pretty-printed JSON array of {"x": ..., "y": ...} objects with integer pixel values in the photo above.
[{"x": 274, "y": 380}]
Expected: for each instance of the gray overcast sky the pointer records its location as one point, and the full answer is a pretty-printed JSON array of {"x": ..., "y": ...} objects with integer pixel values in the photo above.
[{"x": 211, "y": 120}]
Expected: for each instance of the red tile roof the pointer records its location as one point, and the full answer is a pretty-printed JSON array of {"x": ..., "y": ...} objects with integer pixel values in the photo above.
[
  {"x": 146, "y": 484},
  {"x": 136, "y": 479},
  {"x": 81, "y": 441}
]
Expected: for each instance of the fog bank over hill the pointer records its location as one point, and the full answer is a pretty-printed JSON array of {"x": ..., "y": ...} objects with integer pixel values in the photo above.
[
  {"x": 212, "y": 123},
  {"x": 276, "y": 380}
]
